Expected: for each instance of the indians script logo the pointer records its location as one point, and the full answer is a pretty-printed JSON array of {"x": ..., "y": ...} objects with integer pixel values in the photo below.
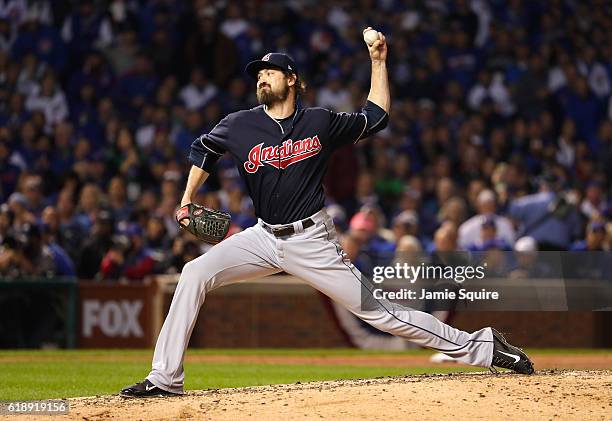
[{"x": 290, "y": 152}]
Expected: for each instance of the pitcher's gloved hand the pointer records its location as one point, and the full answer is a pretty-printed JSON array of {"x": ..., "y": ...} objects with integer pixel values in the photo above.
[{"x": 206, "y": 224}]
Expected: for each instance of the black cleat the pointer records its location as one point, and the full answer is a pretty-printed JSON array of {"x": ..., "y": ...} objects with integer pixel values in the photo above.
[
  {"x": 509, "y": 356},
  {"x": 145, "y": 389}
]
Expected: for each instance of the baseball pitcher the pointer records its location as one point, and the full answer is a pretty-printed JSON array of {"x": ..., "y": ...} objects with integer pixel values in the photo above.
[{"x": 282, "y": 151}]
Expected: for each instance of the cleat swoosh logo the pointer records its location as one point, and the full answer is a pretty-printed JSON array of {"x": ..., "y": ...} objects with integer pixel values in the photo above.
[
  {"x": 516, "y": 357},
  {"x": 147, "y": 387}
]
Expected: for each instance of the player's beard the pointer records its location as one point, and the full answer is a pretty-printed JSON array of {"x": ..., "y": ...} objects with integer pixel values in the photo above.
[{"x": 267, "y": 96}]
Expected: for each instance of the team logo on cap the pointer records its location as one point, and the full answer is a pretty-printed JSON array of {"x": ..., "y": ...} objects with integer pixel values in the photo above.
[
  {"x": 266, "y": 57},
  {"x": 289, "y": 153}
]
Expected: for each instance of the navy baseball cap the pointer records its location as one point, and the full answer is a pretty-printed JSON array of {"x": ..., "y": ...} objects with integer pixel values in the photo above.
[{"x": 272, "y": 61}]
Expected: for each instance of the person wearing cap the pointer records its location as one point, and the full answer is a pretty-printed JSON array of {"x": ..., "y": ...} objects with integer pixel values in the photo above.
[
  {"x": 527, "y": 265},
  {"x": 405, "y": 223},
  {"x": 128, "y": 257},
  {"x": 489, "y": 238},
  {"x": 282, "y": 152},
  {"x": 470, "y": 232},
  {"x": 364, "y": 226}
]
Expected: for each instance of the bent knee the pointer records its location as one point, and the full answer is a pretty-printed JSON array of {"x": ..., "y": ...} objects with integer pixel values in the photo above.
[
  {"x": 196, "y": 274},
  {"x": 190, "y": 270}
]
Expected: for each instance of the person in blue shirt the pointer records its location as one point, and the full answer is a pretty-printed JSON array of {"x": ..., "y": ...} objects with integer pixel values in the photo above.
[
  {"x": 489, "y": 238},
  {"x": 49, "y": 227},
  {"x": 364, "y": 228},
  {"x": 547, "y": 216},
  {"x": 44, "y": 41}
]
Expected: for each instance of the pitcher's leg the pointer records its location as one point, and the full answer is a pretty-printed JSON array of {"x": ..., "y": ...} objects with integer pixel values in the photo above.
[
  {"x": 240, "y": 257},
  {"x": 320, "y": 261}
]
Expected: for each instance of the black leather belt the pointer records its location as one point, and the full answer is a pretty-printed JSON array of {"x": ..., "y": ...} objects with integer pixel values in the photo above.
[{"x": 286, "y": 230}]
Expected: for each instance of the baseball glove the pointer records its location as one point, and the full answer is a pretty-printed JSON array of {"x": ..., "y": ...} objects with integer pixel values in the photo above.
[{"x": 206, "y": 224}]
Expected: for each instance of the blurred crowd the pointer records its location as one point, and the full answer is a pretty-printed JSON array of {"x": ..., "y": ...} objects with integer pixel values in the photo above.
[{"x": 500, "y": 134}]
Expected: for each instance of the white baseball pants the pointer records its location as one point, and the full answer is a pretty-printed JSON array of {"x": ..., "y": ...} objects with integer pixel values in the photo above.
[{"x": 314, "y": 255}]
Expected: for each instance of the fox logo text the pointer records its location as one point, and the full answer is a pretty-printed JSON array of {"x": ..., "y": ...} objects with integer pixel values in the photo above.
[
  {"x": 290, "y": 152},
  {"x": 114, "y": 318}
]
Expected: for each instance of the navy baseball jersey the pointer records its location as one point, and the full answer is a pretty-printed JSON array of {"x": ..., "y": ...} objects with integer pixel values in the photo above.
[{"x": 283, "y": 162}]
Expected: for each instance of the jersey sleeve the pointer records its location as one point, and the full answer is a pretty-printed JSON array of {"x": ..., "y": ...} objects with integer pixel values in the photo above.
[
  {"x": 209, "y": 147},
  {"x": 345, "y": 128}
]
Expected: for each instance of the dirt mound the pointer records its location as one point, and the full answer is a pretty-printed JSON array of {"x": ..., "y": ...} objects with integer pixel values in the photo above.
[{"x": 546, "y": 395}]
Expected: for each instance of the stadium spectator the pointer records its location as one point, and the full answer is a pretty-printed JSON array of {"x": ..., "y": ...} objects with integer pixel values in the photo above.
[
  {"x": 445, "y": 238},
  {"x": 96, "y": 245},
  {"x": 9, "y": 172},
  {"x": 122, "y": 54},
  {"x": 64, "y": 265},
  {"x": 50, "y": 99},
  {"x": 105, "y": 97},
  {"x": 18, "y": 204},
  {"x": 594, "y": 203},
  {"x": 208, "y": 48},
  {"x": 489, "y": 239},
  {"x": 158, "y": 243},
  {"x": 38, "y": 37},
  {"x": 128, "y": 257},
  {"x": 527, "y": 264},
  {"x": 547, "y": 216},
  {"x": 470, "y": 230},
  {"x": 118, "y": 200},
  {"x": 90, "y": 202},
  {"x": 86, "y": 28},
  {"x": 409, "y": 251},
  {"x": 405, "y": 224},
  {"x": 33, "y": 193},
  {"x": 364, "y": 228},
  {"x": 70, "y": 233},
  {"x": 184, "y": 250},
  {"x": 198, "y": 92},
  {"x": 6, "y": 221},
  {"x": 26, "y": 254},
  {"x": 595, "y": 238},
  {"x": 453, "y": 210}
]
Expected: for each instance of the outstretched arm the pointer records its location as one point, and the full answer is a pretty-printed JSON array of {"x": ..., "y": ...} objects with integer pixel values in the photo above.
[{"x": 379, "y": 85}]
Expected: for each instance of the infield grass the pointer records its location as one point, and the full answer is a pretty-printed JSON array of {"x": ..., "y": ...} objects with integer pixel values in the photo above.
[{"x": 71, "y": 373}]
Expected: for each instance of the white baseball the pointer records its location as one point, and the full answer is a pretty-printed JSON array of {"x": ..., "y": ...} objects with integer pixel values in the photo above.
[{"x": 370, "y": 36}]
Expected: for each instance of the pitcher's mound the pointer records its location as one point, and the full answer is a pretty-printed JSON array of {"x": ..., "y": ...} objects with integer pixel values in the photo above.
[{"x": 546, "y": 395}]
